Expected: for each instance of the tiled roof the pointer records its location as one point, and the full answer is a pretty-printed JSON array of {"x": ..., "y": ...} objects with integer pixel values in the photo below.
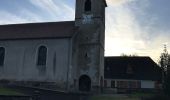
[
  {"x": 37, "y": 30},
  {"x": 142, "y": 68}
]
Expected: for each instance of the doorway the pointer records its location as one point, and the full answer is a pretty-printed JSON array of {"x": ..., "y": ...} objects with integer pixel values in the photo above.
[{"x": 84, "y": 83}]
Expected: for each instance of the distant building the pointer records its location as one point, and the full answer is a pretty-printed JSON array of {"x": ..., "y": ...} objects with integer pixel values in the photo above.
[
  {"x": 124, "y": 74},
  {"x": 67, "y": 56}
]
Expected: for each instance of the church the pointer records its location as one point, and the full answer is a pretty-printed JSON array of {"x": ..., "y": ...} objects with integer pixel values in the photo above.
[{"x": 66, "y": 56}]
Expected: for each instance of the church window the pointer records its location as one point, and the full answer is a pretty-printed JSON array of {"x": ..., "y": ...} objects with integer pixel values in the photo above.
[
  {"x": 54, "y": 64},
  {"x": 2, "y": 55},
  {"x": 87, "y": 58},
  {"x": 42, "y": 55},
  {"x": 88, "y": 5},
  {"x": 86, "y": 55}
]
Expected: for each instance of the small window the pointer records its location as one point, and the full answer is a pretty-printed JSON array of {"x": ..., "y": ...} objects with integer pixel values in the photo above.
[
  {"x": 86, "y": 55},
  {"x": 112, "y": 84},
  {"x": 88, "y": 5},
  {"x": 122, "y": 84},
  {"x": 54, "y": 64},
  {"x": 2, "y": 55},
  {"x": 134, "y": 84},
  {"x": 42, "y": 55}
]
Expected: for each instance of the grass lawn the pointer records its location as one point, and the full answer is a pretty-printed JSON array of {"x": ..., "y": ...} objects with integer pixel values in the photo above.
[
  {"x": 113, "y": 98},
  {"x": 142, "y": 94},
  {"x": 134, "y": 96},
  {"x": 7, "y": 91}
]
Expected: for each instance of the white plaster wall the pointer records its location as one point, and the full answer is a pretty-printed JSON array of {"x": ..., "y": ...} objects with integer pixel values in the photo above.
[
  {"x": 21, "y": 58},
  {"x": 147, "y": 84}
]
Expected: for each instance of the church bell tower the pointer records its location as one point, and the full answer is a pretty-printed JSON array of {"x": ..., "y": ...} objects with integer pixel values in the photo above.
[{"x": 89, "y": 45}]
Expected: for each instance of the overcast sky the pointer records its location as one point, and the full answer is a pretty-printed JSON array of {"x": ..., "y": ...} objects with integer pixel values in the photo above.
[{"x": 132, "y": 26}]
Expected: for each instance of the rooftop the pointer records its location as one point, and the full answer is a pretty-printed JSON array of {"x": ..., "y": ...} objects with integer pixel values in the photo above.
[
  {"x": 37, "y": 30},
  {"x": 137, "y": 68}
]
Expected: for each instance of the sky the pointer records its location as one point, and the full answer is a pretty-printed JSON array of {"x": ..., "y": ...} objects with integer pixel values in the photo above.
[{"x": 139, "y": 27}]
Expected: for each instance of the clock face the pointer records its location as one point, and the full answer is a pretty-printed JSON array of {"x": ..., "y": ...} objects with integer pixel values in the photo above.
[{"x": 87, "y": 19}]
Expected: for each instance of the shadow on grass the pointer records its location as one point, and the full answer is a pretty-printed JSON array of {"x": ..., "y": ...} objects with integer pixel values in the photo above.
[{"x": 8, "y": 91}]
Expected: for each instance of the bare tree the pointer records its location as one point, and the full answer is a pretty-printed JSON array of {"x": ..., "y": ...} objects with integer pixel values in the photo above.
[{"x": 129, "y": 55}]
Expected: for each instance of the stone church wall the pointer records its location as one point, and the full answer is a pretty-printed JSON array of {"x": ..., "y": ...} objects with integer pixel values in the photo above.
[{"x": 20, "y": 62}]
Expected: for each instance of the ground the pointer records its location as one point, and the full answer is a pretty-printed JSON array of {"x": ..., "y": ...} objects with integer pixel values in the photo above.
[
  {"x": 117, "y": 97},
  {"x": 19, "y": 93},
  {"x": 53, "y": 95},
  {"x": 134, "y": 96},
  {"x": 8, "y": 91}
]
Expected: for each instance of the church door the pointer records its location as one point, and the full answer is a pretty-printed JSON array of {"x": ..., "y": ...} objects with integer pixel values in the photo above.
[{"x": 84, "y": 83}]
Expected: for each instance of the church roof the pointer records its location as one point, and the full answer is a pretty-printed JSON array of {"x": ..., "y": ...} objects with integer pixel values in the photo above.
[
  {"x": 137, "y": 68},
  {"x": 38, "y": 30}
]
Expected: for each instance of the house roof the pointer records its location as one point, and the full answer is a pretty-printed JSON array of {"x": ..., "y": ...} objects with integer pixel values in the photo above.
[
  {"x": 37, "y": 30},
  {"x": 141, "y": 68}
]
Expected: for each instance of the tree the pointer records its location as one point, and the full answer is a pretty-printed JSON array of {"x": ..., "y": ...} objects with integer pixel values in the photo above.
[
  {"x": 165, "y": 66},
  {"x": 164, "y": 60},
  {"x": 129, "y": 55}
]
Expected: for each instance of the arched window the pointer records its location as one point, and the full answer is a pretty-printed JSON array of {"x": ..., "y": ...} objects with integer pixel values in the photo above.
[
  {"x": 88, "y": 5},
  {"x": 2, "y": 55},
  {"x": 42, "y": 55}
]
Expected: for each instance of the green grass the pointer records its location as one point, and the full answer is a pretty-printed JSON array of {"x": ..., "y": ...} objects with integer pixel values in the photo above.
[
  {"x": 133, "y": 96},
  {"x": 113, "y": 98},
  {"x": 140, "y": 94},
  {"x": 7, "y": 91}
]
